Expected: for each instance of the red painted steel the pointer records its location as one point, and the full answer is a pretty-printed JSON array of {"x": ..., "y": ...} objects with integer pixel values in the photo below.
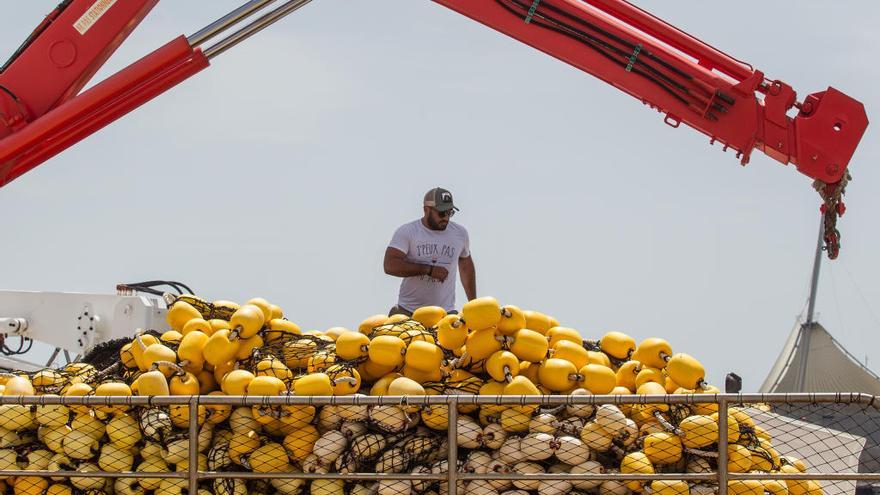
[
  {"x": 808, "y": 140},
  {"x": 691, "y": 82},
  {"x": 72, "y": 45},
  {"x": 98, "y": 107},
  {"x": 705, "y": 55},
  {"x": 667, "y": 69}
]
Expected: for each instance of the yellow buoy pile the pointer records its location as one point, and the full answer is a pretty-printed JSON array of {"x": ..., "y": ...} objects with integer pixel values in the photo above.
[{"x": 223, "y": 348}]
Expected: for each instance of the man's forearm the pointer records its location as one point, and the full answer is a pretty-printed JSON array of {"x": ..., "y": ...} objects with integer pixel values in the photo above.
[
  {"x": 470, "y": 288},
  {"x": 468, "y": 278},
  {"x": 404, "y": 268}
]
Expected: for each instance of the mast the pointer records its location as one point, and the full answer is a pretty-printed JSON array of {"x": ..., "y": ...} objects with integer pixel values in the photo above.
[{"x": 807, "y": 326}]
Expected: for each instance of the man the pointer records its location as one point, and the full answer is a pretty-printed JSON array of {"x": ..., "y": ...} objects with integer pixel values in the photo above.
[{"x": 427, "y": 253}]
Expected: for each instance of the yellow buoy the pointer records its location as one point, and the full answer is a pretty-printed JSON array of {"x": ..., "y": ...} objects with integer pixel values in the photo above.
[
  {"x": 617, "y": 345},
  {"x": 571, "y": 352},
  {"x": 266, "y": 385},
  {"x": 429, "y": 316},
  {"x": 670, "y": 487},
  {"x": 520, "y": 385},
  {"x": 502, "y": 366},
  {"x": 558, "y": 375},
  {"x": 636, "y": 463},
  {"x": 264, "y": 305},
  {"x": 452, "y": 332},
  {"x": 236, "y": 382},
  {"x": 351, "y": 346},
  {"x": 197, "y": 324},
  {"x": 745, "y": 487},
  {"x": 686, "y": 370},
  {"x": 387, "y": 350},
  {"x": 179, "y": 314},
  {"x": 648, "y": 374},
  {"x": 346, "y": 380},
  {"x": 481, "y": 313},
  {"x": 538, "y": 322},
  {"x": 626, "y": 375},
  {"x": 424, "y": 356},
  {"x": 512, "y": 320},
  {"x": 220, "y": 348},
  {"x": 481, "y": 344},
  {"x": 653, "y": 352},
  {"x": 698, "y": 431},
  {"x": 367, "y": 326},
  {"x": 278, "y": 328},
  {"x": 556, "y": 334},
  {"x": 248, "y": 320},
  {"x": 152, "y": 383},
  {"x": 739, "y": 459},
  {"x": 662, "y": 448},
  {"x": 598, "y": 379},
  {"x": 316, "y": 384},
  {"x": 529, "y": 345}
]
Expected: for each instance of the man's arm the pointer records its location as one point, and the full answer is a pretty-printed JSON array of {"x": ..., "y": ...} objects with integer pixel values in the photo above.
[
  {"x": 468, "y": 276},
  {"x": 397, "y": 265}
]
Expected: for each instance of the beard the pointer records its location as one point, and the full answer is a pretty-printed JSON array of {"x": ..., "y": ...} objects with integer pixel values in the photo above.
[{"x": 433, "y": 225}]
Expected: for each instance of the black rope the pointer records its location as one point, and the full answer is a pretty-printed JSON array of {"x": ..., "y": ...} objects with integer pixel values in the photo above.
[
  {"x": 632, "y": 46},
  {"x": 595, "y": 44},
  {"x": 24, "y": 345},
  {"x": 150, "y": 287}
]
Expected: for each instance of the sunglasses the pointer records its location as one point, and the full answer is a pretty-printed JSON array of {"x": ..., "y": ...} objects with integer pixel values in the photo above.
[{"x": 444, "y": 214}]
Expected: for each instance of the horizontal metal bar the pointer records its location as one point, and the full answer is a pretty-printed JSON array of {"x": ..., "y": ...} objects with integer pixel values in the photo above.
[
  {"x": 322, "y": 476},
  {"x": 365, "y": 400},
  {"x": 462, "y": 476},
  {"x": 805, "y": 476},
  {"x": 95, "y": 400},
  {"x": 93, "y": 474},
  {"x": 588, "y": 476},
  {"x": 544, "y": 400}
]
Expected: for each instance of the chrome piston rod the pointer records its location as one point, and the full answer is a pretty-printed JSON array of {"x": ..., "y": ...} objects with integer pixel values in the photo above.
[
  {"x": 255, "y": 27},
  {"x": 212, "y": 30}
]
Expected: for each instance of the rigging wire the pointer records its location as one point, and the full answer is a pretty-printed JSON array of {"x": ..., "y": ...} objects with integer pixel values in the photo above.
[
  {"x": 836, "y": 299},
  {"x": 861, "y": 294}
]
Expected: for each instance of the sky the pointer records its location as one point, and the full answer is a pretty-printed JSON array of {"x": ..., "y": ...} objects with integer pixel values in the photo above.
[{"x": 283, "y": 170}]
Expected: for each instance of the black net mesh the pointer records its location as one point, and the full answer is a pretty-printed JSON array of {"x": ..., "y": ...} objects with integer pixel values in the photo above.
[
  {"x": 511, "y": 438},
  {"x": 522, "y": 439},
  {"x": 408, "y": 331},
  {"x": 824, "y": 437}
]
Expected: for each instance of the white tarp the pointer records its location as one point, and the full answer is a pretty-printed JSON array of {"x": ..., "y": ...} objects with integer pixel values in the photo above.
[{"x": 829, "y": 367}]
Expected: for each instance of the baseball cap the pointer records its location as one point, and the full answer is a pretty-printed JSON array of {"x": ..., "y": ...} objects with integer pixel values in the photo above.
[{"x": 440, "y": 199}]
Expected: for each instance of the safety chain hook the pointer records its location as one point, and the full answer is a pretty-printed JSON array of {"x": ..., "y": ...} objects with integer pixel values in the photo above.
[{"x": 832, "y": 208}]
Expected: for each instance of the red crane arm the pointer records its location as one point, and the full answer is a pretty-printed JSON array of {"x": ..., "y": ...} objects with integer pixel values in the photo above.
[{"x": 683, "y": 78}]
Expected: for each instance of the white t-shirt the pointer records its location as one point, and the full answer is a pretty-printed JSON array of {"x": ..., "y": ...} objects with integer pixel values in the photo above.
[{"x": 430, "y": 247}]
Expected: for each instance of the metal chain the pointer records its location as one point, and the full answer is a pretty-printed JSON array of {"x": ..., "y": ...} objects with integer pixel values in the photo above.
[{"x": 832, "y": 208}]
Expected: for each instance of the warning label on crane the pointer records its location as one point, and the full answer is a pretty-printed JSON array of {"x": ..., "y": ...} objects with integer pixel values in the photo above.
[{"x": 91, "y": 17}]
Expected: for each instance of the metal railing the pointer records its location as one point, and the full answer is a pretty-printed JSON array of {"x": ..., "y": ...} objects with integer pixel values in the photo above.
[{"x": 453, "y": 476}]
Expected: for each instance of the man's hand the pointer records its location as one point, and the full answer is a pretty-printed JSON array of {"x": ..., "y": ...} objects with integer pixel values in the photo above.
[
  {"x": 439, "y": 273},
  {"x": 397, "y": 265}
]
